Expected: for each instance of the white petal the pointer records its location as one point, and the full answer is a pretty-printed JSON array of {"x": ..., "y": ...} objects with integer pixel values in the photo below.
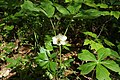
[
  {"x": 63, "y": 42},
  {"x": 63, "y": 38},
  {"x": 55, "y": 40}
]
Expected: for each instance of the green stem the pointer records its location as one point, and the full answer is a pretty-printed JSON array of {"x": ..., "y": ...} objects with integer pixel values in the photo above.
[
  {"x": 67, "y": 27},
  {"x": 53, "y": 27},
  {"x": 60, "y": 55},
  {"x": 66, "y": 30}
]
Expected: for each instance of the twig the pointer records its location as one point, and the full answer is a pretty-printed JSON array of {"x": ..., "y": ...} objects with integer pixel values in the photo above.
[{"x": 103, "y": 27}]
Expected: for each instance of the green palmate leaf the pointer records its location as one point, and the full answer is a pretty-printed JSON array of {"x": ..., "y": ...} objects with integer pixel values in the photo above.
[
  {"x": 86, "y": 55},
  {"x": 108, "y": 43},
  {"x": 116, "y": 14},
  {"x": 103, "y": 53},
  {"x": 95, "y": 45},
  {"x": 52, "y": 66},
  {"x": 28, "y": 5},
  {"x": 112, "y": 65},
  {"x": 87, "y": 68},
  {"x": 48, "y": 10},
  {"x": 61, "y": 9},
  {"x": 101, "y": 5},
  {"x": 102, "y": 73},
  {"x": 90, "y": 34}
]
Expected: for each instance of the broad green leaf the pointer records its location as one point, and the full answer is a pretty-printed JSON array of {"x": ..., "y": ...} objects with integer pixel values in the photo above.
[
  {"x": 87, "y": 41},
  {"x": 42, "y": 50},
  {"x": 102, "y": 73},
  {"x": 43, "y": 63},
  {"x": 48, "y": 45},
  {"x": 91, "y": 4},
  {"x": 95, "y": 45},
  {"x": 114, "y": 54},
  {"x": 90, "y": 34},
  {"x": 101, "y": 5},
  {"x": 68, "y": 1},
  {"x": 43, "y": 56},
  {"x": 116, "y": 14},
  {"x": 53, "y": 66},
  {"x": 104, "y": 13},
  {"x": 112, "y": 65},
  {"x": 28, "y": 5},
  {"x": 9, "y": 28},
  {"x": 108, "y": 43},
  {"x": 42, "y": 60},
  {"x": 86, "y": 56},
  {"x": 88, "y": 14},
  {"x": 48, "y": 10},
  {"x": 61, "y": 9},
  {"x": 53, "y": 55},
  {"x": 74, "y": 8},
  {"x": 71, "y": 9},
  {"x": 103, "y": 53},
  {"x": 87, "y": 68}
]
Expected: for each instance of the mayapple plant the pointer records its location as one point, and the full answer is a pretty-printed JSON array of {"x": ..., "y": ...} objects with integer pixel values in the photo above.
[
  {"x": 59, "y": 40},
  {"x": 47, "y": 58},
  {"x": 100, "y": 62}
]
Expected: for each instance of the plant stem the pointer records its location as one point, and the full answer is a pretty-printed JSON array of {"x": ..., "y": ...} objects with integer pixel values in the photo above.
[
  {"x": 60, "y": 55},
  {"x": 66, "y": 30},
  {"x": 53, "y": 27}
]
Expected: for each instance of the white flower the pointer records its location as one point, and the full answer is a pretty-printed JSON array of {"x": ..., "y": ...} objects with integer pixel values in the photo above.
[{"x": 59, "y": 39}]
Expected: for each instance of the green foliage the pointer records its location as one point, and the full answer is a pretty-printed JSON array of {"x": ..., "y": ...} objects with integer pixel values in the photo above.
[
  {"x": 100, "y": 60},
  {"x": 44, "y": 60},
  {"x": 86, "y": 56},
  {"x": 61, "y": 9},
  {"x": 27, "y": 28}
]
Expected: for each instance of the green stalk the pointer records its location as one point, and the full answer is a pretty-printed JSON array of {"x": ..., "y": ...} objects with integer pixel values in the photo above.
[
  {"x": 60, "y": 54},
  {"x": 53, "y": 27}
]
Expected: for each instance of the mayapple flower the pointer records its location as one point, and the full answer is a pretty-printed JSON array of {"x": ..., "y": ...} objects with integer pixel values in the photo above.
[{"x": 59, "y": 39}]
